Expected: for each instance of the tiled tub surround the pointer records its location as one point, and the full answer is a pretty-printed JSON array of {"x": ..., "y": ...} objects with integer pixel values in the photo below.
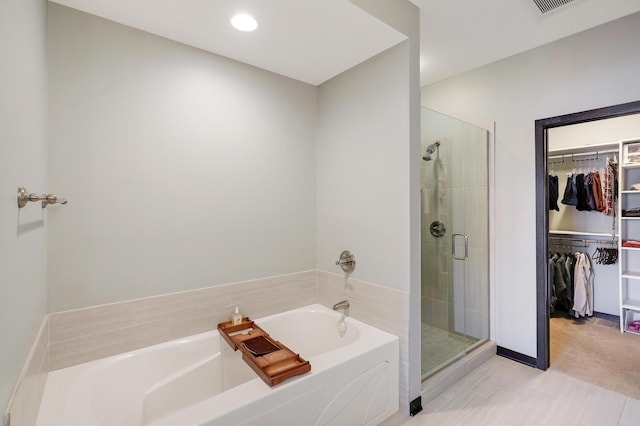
[
  {"x": 200, "y": 380},
  {"x": 87, "y": 334},
  {"x": 83, "y": 335},
  {"x": 382, "y": 307},
  {"x": 25, "y": 401}
]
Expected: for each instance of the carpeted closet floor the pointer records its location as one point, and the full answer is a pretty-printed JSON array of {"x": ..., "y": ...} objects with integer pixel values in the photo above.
[{"x": 594, "y": 350}]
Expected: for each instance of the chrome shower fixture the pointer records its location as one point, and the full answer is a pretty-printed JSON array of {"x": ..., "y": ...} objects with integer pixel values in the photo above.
[{"x": 430, "y": 150}]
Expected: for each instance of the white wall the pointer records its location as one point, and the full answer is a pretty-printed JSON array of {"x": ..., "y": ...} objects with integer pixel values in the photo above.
[
  {"x": 368, "y": 178},
  {"x": 23, "y": 135},
  {"x": 363, "y": 171},
  {"x": 593, "y": 69},
  {"x": 611, "y": 130},
  {"x": 183, "y": 169}
]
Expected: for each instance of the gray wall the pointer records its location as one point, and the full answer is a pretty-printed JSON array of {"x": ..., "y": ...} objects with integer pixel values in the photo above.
[
  {"x": 593, "y": 69},
  {"x": 183, "y": 169},
  {"x": 363, "y": 171},
  {"x": 23, "y": 135}
]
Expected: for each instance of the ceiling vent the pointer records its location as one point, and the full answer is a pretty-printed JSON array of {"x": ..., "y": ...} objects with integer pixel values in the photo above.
[{"x": 549, "y": 5}]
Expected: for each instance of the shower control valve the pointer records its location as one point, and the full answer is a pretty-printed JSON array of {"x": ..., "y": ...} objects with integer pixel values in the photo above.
[{"x": 347, "y": 261}]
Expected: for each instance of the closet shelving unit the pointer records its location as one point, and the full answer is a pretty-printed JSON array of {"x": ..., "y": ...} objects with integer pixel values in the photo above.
[{"x": 629, "y": 259}]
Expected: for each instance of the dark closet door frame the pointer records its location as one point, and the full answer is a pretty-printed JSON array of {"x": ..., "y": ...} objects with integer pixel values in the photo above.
[{"x": 542, "y": 211}]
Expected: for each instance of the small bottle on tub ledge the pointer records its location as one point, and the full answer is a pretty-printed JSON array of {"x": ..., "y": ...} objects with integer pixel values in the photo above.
[{"x": 236, "y": 318}]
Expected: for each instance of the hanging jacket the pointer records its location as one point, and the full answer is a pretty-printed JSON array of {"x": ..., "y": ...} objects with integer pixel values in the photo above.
[
  {"x": 597, "y": 190},
  {"x": 569, "y": 277},
  {"x": 583, "y": 286},
  {"x": 570, "y": 197},
  {"x": 588, "y": 191},
  {"x": 581, "y": 193}
]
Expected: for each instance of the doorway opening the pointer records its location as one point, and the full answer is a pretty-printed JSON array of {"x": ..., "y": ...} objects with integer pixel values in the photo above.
[{"x": 543, "y": 295}]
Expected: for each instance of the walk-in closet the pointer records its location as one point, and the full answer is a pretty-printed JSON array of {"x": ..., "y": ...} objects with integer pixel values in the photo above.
[{"x": 594, "y": 264}]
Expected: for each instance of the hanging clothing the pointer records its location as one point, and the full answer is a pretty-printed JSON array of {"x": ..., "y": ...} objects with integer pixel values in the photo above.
[
  {"x": 581, "y": 193},
  {"x": 552, "y": 288},
  {"x": 583, "y": 282},
  {"x": 560, "y": 282},
  {"x": 588, "y": 191},
  {"x": 569, "y": 277},
  {"x": 597, "y": 190},
  {"x": 570, "y": 197},
  {"x": 609, "y": 186},
  {"x": 553, "y": 193},
  {"x": 561, "y": 277}
]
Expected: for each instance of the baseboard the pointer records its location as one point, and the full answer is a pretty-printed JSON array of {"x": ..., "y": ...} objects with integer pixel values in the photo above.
[
  {"x": 517, "y": 356},
  {"x": 610, "y": 317}
]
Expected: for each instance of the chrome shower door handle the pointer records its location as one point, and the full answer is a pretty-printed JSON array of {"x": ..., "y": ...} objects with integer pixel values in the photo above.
[{"x": 466, "y": 246}]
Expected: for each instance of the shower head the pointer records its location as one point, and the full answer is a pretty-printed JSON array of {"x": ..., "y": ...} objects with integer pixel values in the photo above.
[{"x": 430, "y": 150}]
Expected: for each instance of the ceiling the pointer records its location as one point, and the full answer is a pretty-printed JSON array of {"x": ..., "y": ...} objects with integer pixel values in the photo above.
[
  {"x": 313, "y": 41},
  {"x": 460, "y": 35}
]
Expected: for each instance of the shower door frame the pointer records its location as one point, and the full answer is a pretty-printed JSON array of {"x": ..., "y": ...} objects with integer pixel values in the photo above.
[
  {"x": 542, "y": 217},
  {"x": 487, "y": 136}
]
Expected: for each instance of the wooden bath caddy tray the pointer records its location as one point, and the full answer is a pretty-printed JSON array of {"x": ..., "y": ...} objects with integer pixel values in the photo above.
[{"x": 272, "y": 360}]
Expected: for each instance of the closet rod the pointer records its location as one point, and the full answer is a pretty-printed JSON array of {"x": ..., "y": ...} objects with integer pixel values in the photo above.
[
  {"x": 596, "y": 153},
  {"x": 581, "y": 240}
]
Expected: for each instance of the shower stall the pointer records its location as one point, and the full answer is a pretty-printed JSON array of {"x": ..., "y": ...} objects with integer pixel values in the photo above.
[{"x": 455, "y": 239}]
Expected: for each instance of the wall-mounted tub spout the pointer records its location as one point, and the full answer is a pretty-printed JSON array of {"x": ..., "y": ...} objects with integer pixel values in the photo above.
[{"x": 344, "y": 304}]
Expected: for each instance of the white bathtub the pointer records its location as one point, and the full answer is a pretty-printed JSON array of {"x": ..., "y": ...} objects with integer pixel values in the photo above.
[{"x": 199, "y": 380}]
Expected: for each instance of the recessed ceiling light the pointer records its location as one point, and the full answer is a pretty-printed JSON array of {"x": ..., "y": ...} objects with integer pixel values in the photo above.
[{"x": 244, "y": 22}]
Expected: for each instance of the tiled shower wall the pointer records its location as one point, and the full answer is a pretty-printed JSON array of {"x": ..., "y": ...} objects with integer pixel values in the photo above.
[
  {"x": 73, "y": 337},
  {"x": 454, "y": 191}
]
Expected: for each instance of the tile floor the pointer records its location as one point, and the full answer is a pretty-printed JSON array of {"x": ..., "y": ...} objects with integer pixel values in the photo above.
[
  {"x": 441, "y": 349},
  {"x": 504, "y": 392}
]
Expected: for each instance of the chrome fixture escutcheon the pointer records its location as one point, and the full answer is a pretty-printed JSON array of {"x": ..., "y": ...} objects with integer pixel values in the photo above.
[
  {"x": 437, "y": 229},
  {"x": 347, "y": 261}
]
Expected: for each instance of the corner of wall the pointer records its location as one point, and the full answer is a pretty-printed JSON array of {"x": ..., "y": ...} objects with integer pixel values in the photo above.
[{"x": 25, "y": 402}]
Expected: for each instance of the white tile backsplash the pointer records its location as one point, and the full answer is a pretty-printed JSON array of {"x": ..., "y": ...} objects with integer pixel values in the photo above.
[
  {"x": 87, "y": 334},
  {"x": 25, "y": 401}
]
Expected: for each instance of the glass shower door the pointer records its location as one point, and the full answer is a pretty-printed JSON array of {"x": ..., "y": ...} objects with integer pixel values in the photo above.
[{"x": 455, "y": 278}]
